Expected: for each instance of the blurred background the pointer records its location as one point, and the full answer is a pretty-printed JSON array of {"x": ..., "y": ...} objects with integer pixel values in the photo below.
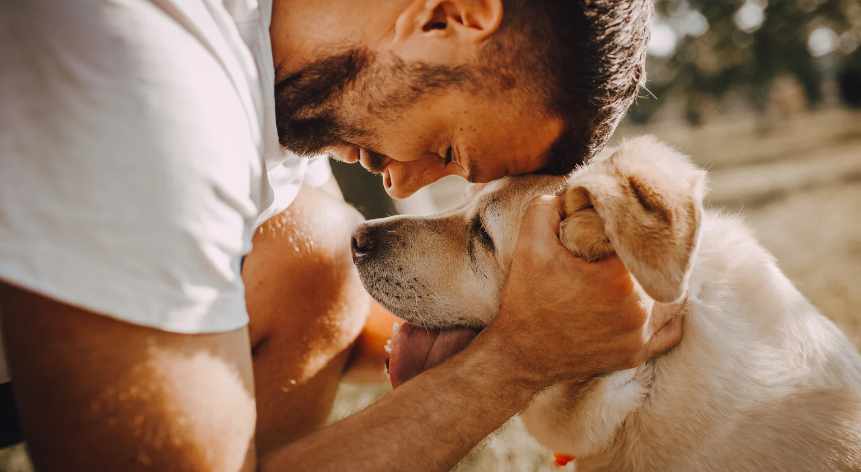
[{"x": 766, "y": 94}]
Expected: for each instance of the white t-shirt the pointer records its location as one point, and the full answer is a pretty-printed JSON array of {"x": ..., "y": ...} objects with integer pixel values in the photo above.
[{"x": 138, "y": 152}]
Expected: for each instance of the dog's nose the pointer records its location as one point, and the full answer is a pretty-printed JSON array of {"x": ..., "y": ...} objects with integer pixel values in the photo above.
[{"x": 362, "y": 241}]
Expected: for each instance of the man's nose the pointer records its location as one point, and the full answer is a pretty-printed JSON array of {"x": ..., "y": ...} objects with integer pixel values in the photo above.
[
  {"x": 363, "y": 242},
  {"x": 405, "y": 178}
]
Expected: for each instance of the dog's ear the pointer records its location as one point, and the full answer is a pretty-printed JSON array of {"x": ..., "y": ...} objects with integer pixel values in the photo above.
[{"x": 642, "y": 201}]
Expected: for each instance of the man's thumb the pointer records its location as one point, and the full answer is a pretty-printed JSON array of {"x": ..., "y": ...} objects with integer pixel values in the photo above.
[{"x": 543, "y": 215}]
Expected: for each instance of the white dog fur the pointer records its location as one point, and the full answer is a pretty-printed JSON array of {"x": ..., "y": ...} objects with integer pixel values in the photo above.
[{"x": 761, "y": 380}]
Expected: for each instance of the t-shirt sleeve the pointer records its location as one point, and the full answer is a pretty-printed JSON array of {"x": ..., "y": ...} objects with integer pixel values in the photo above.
[
  {"x": 319, "y": 171},
  {"x": 129, "y": 168}
]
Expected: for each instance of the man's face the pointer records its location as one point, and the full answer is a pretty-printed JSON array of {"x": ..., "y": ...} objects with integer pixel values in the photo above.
[
  {"x": 407, "y": 112},
  {"x": 455, "y": 133}
]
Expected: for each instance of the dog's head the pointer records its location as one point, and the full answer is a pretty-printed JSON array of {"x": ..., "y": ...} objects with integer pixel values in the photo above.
[
  {"x": 447, "y": 270},
  {"x": 642, "y": 201}
]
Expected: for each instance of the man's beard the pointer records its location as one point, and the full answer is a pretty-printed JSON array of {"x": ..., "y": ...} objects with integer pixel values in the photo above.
[{"x": 306, "y": 103}]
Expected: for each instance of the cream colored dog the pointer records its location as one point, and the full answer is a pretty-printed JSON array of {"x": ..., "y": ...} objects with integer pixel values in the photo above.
[{"x": 760, "y": 382}]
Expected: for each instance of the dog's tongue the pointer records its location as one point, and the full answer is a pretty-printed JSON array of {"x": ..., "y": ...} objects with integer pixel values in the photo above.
[{"x": 416, "y": 349}]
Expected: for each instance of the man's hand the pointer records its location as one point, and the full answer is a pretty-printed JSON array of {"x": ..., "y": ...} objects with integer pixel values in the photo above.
[{"x": 568, "y": 320}]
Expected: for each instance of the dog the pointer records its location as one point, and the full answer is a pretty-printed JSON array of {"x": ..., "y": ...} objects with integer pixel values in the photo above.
[{"x": 761, "y": 381}]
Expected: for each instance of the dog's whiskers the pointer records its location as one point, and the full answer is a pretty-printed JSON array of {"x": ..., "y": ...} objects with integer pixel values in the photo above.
[
  {"x": 432, "y": 290},
  {"x": 416, "y": 308}
]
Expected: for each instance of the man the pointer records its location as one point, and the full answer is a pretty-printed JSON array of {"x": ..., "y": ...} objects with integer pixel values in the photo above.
[{"x": 139, "y": 160}]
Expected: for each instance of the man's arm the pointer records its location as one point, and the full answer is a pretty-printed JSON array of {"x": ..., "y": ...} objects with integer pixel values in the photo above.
[
  {"x": 427, "y": 424},
  {"x": 95, "y": 393}
]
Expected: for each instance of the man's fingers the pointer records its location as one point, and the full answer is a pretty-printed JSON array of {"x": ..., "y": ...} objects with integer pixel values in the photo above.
[
  {"x": 539, "y": 234},
  {"x": 543, "y": 214},
  {"x": 665, "y": 339}
]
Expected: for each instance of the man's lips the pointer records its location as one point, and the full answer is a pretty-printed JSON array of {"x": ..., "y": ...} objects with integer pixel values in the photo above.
[{"x": 416, "y": 349}]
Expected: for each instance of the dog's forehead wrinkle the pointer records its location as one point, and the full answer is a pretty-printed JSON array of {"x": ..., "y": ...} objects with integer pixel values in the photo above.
[{"x": 493, "y": 206}]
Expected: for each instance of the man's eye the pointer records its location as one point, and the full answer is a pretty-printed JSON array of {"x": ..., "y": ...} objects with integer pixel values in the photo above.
[{"x": 447, "y": 160}]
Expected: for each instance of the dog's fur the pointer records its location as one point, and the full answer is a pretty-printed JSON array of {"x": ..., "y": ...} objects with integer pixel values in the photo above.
[{"x": 761, "y": 380}]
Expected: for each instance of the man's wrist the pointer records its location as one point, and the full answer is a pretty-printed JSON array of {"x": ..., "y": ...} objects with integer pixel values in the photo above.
[
  {"x": 505, "y": 365},
  {"x": 524, "y": 364}
]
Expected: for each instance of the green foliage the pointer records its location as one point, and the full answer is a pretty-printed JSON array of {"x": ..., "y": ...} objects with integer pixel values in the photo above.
[{"x": 747, "y": 44}]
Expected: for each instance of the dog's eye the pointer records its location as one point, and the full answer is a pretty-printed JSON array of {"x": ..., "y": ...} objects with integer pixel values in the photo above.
[{"x": 481, "y": 232}]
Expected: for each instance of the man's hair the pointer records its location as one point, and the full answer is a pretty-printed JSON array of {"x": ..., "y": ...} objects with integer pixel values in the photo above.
[{"x": 584, "y": 60}]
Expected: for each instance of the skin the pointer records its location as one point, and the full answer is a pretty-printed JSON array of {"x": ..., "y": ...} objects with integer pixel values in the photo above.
[{"x": 225, "y": 402}]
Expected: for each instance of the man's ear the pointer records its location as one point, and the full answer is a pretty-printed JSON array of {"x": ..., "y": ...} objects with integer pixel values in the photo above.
[
  {"x": 643, "y": 202},
  {"x": 461, "y": 24}
]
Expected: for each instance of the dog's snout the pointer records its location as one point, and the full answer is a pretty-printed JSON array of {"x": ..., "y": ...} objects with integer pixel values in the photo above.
[{"x": 362, "y": 242}]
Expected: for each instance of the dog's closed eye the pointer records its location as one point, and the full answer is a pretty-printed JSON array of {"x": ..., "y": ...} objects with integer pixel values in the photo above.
[{"x": 480, "y": 232}]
